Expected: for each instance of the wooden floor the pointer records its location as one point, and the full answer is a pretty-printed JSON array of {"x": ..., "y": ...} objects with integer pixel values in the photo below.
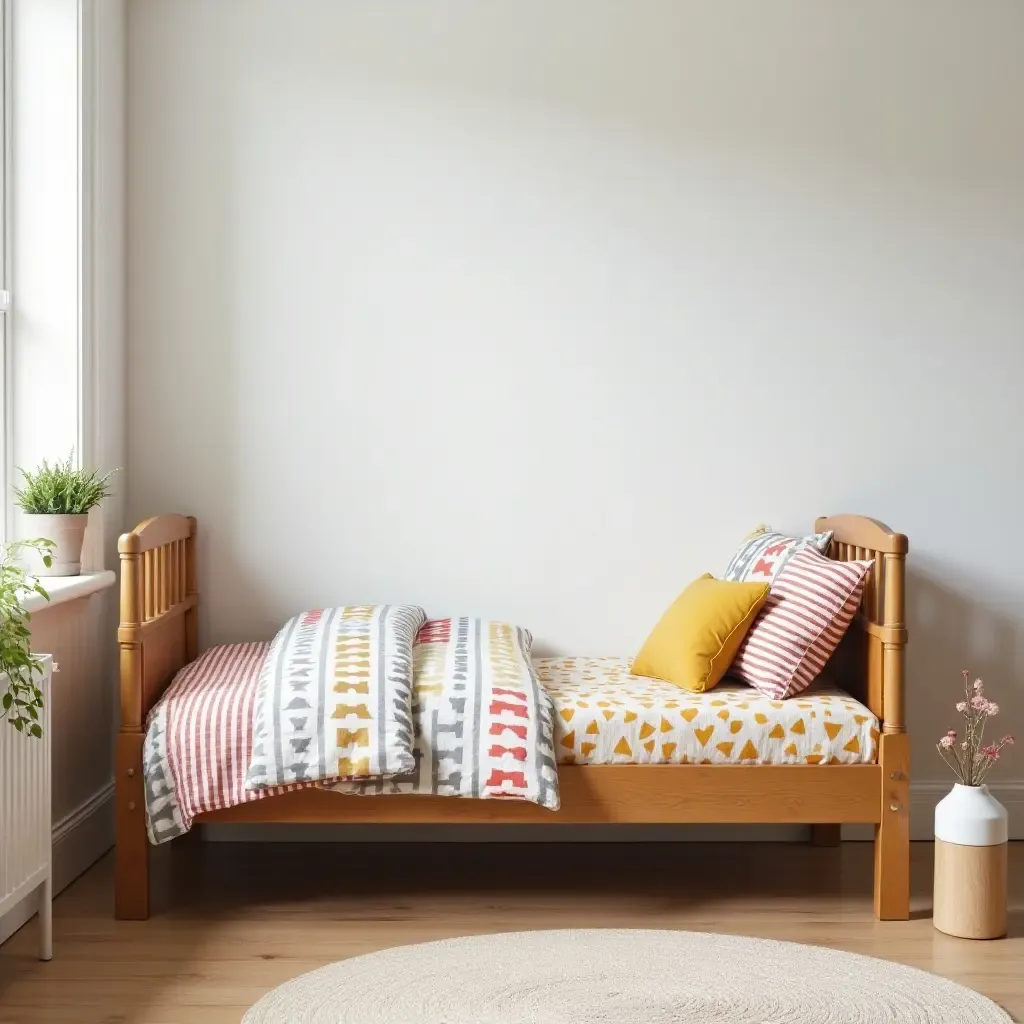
[{"x": 242, "y": 918}]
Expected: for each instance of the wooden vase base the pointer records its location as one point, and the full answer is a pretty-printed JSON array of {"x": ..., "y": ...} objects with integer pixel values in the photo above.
[{"x": 970, "y": 890}]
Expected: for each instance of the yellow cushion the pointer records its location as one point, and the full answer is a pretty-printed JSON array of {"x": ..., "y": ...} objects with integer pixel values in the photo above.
[{"x": 697, "y": 638}]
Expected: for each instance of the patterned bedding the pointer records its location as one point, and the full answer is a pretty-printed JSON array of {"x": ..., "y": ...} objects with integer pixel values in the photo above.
[
  {"x": 604, "y": 715},
  {"x": 483, "y": 728},
  {"x": 199, "y": 738}
]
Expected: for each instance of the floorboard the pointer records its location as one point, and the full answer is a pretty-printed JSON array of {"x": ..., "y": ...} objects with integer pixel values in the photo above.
[{"x": 240, "y": 918}]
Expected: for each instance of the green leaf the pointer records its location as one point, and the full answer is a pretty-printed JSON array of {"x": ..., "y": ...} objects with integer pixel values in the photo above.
[
  {"x": 36, "y": 731},
  {"x": 20, "y": 699},
  {"x": 61, "y": 489}
]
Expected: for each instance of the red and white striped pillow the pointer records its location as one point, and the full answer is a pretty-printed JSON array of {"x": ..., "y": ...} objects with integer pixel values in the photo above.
[{"x": 811, "y": 605}]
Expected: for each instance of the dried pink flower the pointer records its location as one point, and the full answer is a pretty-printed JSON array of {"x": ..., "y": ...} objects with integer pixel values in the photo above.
[
  {"x": 965, "y": 672},
  {"x": 984, "y": 705},
  {"x": 973, "y": 765}
]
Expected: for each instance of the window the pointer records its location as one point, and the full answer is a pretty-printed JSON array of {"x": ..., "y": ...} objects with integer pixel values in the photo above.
[
  {"x": 59, "y": 92},
  {"x": 5, "y": 248}
]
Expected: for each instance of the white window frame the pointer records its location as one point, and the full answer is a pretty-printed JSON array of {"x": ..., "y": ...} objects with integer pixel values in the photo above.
[{"x": 6, "y": 406}]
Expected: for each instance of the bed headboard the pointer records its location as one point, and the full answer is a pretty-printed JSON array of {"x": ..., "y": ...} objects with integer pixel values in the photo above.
[
  {"x": 157, "y": 634},
  {"x": 870, "y": 660}
]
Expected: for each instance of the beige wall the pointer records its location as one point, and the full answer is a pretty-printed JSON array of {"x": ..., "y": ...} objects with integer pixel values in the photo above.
[{"x": 533, "y": 309}]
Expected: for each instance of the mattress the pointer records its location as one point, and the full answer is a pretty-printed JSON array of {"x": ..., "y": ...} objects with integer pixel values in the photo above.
[{"x": 605, "y": 715}]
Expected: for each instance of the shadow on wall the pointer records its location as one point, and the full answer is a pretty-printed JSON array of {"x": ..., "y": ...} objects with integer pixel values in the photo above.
[{"x": 951, "y": 630}]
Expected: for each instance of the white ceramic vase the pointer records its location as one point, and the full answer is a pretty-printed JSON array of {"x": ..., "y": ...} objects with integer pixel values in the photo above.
[
  {"x": 68, "y": 534},
  {"x": 971, "y": 816}
]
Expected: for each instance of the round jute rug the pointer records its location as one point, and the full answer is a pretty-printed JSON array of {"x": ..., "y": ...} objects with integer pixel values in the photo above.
[{"x": 619, "y": 977}]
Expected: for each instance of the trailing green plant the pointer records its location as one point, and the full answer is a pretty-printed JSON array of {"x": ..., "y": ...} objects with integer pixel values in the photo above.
[
  {"x": 22, "y": 702},
  {"x": 61, "y": 489}
]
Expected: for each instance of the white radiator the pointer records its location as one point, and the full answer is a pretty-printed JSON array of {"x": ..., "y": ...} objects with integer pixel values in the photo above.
[{"x": 25, "y": 836}]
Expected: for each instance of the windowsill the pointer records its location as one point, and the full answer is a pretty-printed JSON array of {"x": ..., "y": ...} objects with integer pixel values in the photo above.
[{"x": 69, "y": 588}]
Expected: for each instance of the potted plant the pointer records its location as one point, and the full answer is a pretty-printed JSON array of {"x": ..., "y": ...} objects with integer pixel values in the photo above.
[
  {"x": 971, "y": 827},
  {"x": 22, "y": 700},
  {"x": 58, "y": 499}
]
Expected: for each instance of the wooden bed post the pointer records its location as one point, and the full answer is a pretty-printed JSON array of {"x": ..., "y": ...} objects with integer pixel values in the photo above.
[
  {"x": 879, "y": 672},
  {"x": 157, "y": 636},
  {"x": 892, "y": 834},
  {"x": 131, "y": 853}
]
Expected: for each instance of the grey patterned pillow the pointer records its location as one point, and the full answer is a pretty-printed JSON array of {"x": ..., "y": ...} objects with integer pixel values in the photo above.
[{"x": 764, "y": 554}]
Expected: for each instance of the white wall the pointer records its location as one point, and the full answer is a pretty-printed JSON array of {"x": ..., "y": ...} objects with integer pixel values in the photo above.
[{"x": 533, "y": 309}]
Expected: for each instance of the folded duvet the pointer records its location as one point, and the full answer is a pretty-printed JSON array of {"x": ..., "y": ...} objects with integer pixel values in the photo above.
[
  {"x": 484, "y": 726},
  {"x": 334, "y": 697},
  {"x": 478, "y": 722}
]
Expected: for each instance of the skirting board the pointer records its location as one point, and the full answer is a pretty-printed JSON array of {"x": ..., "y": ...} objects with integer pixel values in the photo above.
[
  {"x": 923, "y": 798},
  {"x": 79, "y": 840}
]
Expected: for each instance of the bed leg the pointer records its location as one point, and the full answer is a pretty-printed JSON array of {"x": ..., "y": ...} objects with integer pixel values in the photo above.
[
  {"x": 826, "y": 834},
  {"x": 892, "y": 834},
  {"x": 131, "y": 851}
]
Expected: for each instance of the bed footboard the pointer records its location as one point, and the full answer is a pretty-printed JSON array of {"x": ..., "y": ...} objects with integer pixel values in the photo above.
[{"x": 157, "y": 635}]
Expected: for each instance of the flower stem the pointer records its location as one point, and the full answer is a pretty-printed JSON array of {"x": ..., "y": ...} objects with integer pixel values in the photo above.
[{"x": 951, "y": 760}]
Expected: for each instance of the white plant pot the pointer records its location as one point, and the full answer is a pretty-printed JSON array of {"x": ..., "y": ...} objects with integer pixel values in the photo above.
[
  {"x": 68, "y": 534},
  {"x": 971, "y": 816}
]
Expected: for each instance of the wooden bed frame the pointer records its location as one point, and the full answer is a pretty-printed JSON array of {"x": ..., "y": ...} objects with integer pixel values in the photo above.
[{"x": 158, "y": 635}]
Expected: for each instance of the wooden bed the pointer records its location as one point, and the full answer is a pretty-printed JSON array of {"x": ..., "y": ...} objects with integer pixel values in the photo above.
[{"x": 158, "y": 635}]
